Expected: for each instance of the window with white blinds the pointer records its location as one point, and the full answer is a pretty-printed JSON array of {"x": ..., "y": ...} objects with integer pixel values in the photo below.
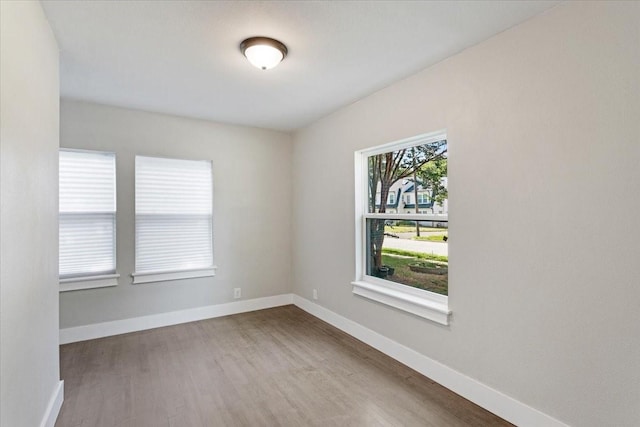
[
  {"x": 174, "y": 213},
  {"x": 87, "y": 213}
]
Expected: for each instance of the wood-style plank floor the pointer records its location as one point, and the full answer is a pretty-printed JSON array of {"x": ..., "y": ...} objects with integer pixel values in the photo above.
[{"x": 276, "y": 367}]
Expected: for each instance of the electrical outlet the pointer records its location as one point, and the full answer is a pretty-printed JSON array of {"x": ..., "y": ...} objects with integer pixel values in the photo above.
[
  {"x": 237, "y": 293},
  {"x": 315, "y": 294}
]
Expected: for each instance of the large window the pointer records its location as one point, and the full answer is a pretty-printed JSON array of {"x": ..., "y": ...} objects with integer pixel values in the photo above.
[
  {"x": 87, "y": 219},
  {"x": 402, "y": 258},
  {"x": 174, "y": 229}
]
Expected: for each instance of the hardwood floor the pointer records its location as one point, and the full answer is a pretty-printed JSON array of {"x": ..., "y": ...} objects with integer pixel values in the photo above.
[{"x": 276, "y": 367}]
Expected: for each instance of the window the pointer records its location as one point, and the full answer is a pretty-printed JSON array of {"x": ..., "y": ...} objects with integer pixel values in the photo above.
[
  {"x": 423, "y": 198},
  {"x": 410, "y": 270},
  {"x": 87, "y": 219},
  {"x": 407, "y": 199},
  {"x": 174, "y": 226},
  {"x": 392, "y": 198}
]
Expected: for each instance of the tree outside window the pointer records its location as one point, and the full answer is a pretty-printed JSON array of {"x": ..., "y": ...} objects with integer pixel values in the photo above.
[{"x": 390, "y": 255}]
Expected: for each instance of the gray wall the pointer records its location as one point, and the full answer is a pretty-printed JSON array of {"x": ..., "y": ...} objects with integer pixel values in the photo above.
[
  {"x": 252, "y": 209},
  {"x": 544, "y": 171},
  {"x": 29, "y": 101}
]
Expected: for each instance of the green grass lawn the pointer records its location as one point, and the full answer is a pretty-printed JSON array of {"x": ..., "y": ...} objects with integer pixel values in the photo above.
[
  {"x": 431, "y": 282},
  {"x": 408, "y": 229},
  {"x": 432, "y": 238},
  {"x": 411, "y": 254}
]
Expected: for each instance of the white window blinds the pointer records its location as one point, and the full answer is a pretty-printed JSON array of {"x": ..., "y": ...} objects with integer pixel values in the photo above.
[
  {"x": 87, "y": 208},
  {"x": 173, "y": 215}
]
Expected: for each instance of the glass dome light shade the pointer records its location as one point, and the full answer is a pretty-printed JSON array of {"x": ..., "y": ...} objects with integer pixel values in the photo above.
[{"x": 263, "y": 52}]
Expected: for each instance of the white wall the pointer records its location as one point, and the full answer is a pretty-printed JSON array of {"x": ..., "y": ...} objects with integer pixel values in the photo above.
[
  {"x": 544, "y": 176},
  {"x": 29, "y": 101},
  {"x": 252, "y": 209}
]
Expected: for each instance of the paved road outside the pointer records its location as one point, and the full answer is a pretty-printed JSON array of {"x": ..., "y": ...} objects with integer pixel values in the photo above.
[{"x": 435, "y": 248}]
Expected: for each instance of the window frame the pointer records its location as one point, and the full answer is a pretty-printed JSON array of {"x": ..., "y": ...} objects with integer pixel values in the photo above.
[
  {"x": 103, "y": 279},
  {"x": 172, "y": 274},
  {"x": 422, "y": 303}
]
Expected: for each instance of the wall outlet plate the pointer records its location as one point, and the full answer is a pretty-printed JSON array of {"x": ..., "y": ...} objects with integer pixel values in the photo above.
[{"x": 237, "y": 293}]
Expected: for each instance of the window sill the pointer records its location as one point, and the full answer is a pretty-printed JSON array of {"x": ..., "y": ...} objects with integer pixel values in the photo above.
[
  {"x": 162, "y": 276},
  {"x": 434, "y": 308},
  {"x": 88, "y": 282}
]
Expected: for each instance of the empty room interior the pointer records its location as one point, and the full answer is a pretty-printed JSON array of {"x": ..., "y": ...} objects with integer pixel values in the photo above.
[{"x": 236, "y": 213}]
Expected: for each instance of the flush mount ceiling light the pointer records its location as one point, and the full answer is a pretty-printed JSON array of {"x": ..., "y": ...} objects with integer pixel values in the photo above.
[{"x": 263, "y": 52}]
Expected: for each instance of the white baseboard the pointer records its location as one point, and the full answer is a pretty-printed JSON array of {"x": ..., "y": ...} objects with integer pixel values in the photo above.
[
  {"x": 492, "y": 400},
  {"x": 53, "y": 408},
  {"x": 116, "y": 327}
]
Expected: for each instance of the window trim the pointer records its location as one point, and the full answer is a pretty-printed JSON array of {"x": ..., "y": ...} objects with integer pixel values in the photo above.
[
  {"x": 425, "y": 304},
  {"x": 88, "y": 282},
  {"x": 163, "y": 276}
]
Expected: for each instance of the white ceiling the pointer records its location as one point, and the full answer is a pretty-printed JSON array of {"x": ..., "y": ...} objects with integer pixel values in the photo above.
[{"x": 182, "y": 57}]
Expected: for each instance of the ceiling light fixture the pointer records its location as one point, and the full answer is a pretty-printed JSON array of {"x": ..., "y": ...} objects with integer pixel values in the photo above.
[{"x": 263, "y": 52}]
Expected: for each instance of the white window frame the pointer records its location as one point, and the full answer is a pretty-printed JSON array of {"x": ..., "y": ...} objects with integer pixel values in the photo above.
[
  {"x": 392, "y": 198},
  {"x": 89, "y": 281},
  {"x": 419, "y": 302},
  {"x": 168, "y": 275},
  {"x": 424, "y": 197}
]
